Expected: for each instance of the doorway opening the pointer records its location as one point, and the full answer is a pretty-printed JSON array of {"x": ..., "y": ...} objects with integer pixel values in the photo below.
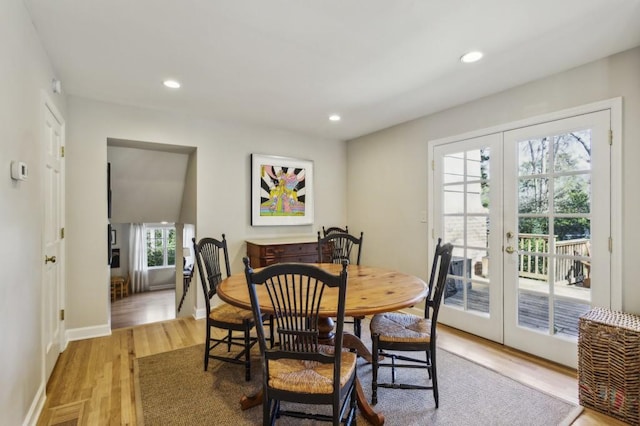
[{"x": 152, "y": 199}]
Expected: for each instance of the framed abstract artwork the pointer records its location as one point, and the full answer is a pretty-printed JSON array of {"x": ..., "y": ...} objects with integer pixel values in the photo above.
[{"x": 281, "y": 191}]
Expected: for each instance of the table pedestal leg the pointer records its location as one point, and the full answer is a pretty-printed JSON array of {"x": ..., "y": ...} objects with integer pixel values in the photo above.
[
  {"x": 250, "y": 401},
  {"x": 376, "y": 419}
]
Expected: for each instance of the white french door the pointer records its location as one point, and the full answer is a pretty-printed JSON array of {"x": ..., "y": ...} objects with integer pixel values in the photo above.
[
  {"x": 557, "y": 225},
  {"x": 469, "y": 199},
  {"x": 528, "y": 213}
]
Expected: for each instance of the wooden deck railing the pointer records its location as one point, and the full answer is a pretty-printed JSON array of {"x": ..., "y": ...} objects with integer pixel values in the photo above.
[{"x": 534, "y": 266}]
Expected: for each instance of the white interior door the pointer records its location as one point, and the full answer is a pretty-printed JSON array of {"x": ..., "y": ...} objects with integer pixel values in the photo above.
[
  {"x": 469, "y": 199},
  {"x": 53, "y": 240},
  {"x": 557, "y": 231}
]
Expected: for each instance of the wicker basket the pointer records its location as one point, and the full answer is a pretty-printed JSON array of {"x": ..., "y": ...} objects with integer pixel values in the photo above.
[{"x": 609, "y": 363}]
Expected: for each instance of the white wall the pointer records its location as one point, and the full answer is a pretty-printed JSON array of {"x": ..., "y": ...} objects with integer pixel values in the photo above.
[
  {"x": 387, "y": 171},
  {"x": 223, "y": 171},
  {"x": 26, "y": 75},
  {"x": 189, "y": 195},
  {"x": 147, "y": 185}
]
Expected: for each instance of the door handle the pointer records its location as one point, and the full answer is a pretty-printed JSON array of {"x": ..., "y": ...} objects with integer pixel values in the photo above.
[
  {"x": 48, "y": 259},
  {"x": 509, "y": 250}
]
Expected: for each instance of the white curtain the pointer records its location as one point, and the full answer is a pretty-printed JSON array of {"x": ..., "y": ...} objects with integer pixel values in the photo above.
[
  {"x": 138, "y": 258},
  {"x": 188, "y": 233}
]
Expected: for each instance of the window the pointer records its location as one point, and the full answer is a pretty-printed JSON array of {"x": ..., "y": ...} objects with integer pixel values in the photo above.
[{"x": 161, "y": 246}]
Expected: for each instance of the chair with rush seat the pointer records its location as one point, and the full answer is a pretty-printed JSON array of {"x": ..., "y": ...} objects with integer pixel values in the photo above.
[
  {"x": 209, "y": 253},
  {"x": 301, "y": 369},
  {"x": 396, "y": 331},
  {"x": 336, "y": 247}
]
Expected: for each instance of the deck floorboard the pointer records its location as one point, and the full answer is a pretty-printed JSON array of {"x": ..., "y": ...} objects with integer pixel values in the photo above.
[{"x": 533, "y": 311}]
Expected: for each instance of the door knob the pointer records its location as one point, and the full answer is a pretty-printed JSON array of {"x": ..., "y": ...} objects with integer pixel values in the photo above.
[
  {"x": 509, "y": 249},
  {"x": 509, "y": 235},
  {"x": 48, "y": 259}
]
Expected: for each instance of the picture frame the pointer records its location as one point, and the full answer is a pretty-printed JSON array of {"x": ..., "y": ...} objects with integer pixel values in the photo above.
[
  {"x": 281, "y": 191},
  {"x": 113, "y": 237},
  {"x": 115, "y": 258}
]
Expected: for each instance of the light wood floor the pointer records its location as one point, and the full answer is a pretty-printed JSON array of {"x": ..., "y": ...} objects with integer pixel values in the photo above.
[
  {"x": 143, "y": 308},
  {"x": 92, "y": 383}
]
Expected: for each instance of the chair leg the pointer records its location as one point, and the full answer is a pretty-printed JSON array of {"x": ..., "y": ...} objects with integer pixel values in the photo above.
[
  {"x": 354, "y": 403},
  {"x": 434, "y": 377},
  {"x": 374, "y": 369},
  {"x": 247, "y": 354},
  {"x": 229, "y": 337},
  {"x": 267, "y": 418},
  {"x": 275, "y": 412},
  {"x": 206, "y": 348}
]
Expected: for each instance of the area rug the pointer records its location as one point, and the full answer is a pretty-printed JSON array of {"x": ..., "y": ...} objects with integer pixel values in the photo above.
[{"x": 173, "y": 389}]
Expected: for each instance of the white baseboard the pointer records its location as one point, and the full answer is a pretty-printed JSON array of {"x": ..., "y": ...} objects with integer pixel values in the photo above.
[
  {"x": 88, "y": 332},
  {"x": 156, "y": 287},
  {"x": 200, "y": 313},
  {"x": 36, "y": 407}
]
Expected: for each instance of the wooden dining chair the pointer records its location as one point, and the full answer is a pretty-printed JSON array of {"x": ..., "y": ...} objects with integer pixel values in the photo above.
[
  {"x": 210, "y": 253},
  {"x": 119, "y": 287},
  {"x": 126, "y": 285},
  {"x": 300, "y": 369},
  {"x": 336, "y": 247},
  {"x": 397, "y": 331},
  {"x": 116, "y": 285}
]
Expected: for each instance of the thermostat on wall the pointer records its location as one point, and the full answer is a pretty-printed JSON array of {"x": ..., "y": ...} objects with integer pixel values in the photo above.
[{"x": 19, "y": 170}]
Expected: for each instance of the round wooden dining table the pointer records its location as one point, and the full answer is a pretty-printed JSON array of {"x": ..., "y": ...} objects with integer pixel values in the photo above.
[{"x": 370, "y": 290}]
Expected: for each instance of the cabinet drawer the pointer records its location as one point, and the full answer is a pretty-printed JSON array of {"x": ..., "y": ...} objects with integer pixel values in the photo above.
[
  {"x": 270, "y": 252},
  {"x": 291, "y": 250},
  {"x": 310, "y": 258}
]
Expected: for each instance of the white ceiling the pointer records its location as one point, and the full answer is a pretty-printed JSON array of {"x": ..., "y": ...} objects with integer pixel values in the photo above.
[{"x": 290, "y": 63}]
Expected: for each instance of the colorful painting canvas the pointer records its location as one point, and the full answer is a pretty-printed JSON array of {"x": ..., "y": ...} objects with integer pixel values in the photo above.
[{"x": 281, "y": 191}]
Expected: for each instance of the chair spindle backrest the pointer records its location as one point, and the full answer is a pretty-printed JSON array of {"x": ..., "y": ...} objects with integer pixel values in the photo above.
[
  {"x": 208, "y": 253},
  {"x": 295, "y": 293},
  {"x": 340, "y": 247},
  {"x": 432, "y": 277},
  {"x": 334, "y": 230},
  {"x": 439, "y": 272}
]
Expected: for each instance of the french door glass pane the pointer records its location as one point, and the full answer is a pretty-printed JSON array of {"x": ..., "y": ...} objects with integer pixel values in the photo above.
[
  {"x": 531, "y": 195},
  {"x": 453, "y": 199},
  {"x": 572, "y": 194},
  {"x": 466, "y": 226},
  {"x": 573, "y": 151},
  {"x": 476, "y": 198},
  {"x": 453, "y": 229},
  {"x": 554, "y": 228},
  {"x": 454, "y": 168}
]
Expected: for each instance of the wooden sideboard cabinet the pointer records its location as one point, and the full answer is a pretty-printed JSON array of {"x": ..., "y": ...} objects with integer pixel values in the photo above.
[{"x": 264, "y": 252}]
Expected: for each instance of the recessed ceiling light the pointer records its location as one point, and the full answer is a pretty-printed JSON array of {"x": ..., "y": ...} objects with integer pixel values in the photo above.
[
  {"x": 334, "y": 117},
  {"x": 470, "y": 57},
  {"x": 171, "y": 84}
]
